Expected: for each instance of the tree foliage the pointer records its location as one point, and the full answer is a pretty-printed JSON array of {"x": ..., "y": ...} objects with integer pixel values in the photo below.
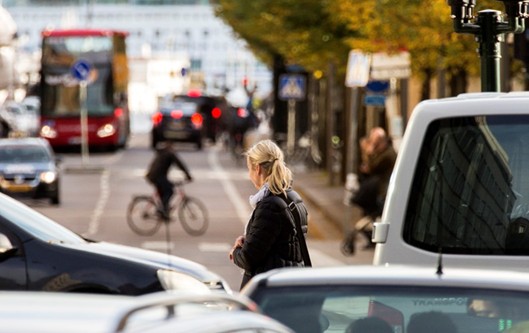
[
  {"x": 314, "y": 33},
  {"x": 302, "y": 32}
]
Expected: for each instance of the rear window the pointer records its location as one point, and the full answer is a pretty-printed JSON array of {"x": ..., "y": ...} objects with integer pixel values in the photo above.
[
  {"x": 186, "y": 108},
  {"x": 403, "y": 309},
  {"x": 471, "y": 187}
]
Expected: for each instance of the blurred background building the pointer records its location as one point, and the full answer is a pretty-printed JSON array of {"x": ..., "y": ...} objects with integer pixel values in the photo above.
[{"x": 166, "y": 39}]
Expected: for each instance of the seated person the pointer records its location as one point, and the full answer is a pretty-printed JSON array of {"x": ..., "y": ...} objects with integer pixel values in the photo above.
[
  {"x": 431, "y": 322},
  {"x": 369, "y": 325}
]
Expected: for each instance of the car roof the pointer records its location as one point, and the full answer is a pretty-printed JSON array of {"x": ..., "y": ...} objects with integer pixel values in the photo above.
[
  {"x": 24, "y": 141},
  {"x": 236, "y": 321},
  {"x": 392, "y": 275},
  {"x": 58, "y": 312},
  {"x": 40, "y": 312},
  {"x": 481, "y": 103}
]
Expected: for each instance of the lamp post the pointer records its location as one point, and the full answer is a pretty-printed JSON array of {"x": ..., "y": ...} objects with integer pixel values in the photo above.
[{"x": 489, "y": 29}]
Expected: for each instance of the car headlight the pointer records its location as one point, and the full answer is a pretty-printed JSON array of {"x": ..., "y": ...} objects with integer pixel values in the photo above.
[
  {"x": 106, "y": 131},
  {"x": 172, "y": 280},
  {"x": 48, "y": 177},
  {"x": 48, "y": 132}
]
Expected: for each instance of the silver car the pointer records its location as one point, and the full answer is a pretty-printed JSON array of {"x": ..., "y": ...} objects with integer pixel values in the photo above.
[
  {"x": 401, "y": 299},
  {"x": 42, "y": 312}
]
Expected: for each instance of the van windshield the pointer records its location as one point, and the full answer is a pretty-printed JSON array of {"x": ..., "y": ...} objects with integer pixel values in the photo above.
[{"x": 471, "y": 187}]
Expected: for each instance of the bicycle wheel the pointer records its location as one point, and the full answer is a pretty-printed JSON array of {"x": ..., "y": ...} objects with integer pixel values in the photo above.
[
  {"x": 193, "y": 216},
  {"x": 142, "y": 216}
]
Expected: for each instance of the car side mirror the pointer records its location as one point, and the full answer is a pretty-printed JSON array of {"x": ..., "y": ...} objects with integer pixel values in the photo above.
[
  {"x": 5, "y": 243},
  {"x": 6, "y": 248}
]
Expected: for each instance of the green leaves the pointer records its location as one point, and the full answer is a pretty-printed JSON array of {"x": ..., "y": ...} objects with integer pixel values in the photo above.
[{"x": 314, "y": 33}]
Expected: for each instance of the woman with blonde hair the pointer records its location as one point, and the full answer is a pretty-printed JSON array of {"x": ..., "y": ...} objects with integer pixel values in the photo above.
[{"x": 271, "y": 237}]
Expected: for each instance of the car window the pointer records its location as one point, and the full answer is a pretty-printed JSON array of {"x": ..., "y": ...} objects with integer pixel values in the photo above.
[
  {"x": 35, "y": 223},
  {"x": 23, "y": 154},
  {"x": 404, "y": 309},
  {"x": 187, "y": 108},
  {"x": 471, "y": 187}
]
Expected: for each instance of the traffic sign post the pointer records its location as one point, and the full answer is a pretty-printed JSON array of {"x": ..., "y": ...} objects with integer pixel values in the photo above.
[
  {"x": 292, "y": 88},
  {"x": 356, "y": 77},
  {"x": 81, "y": 70}
]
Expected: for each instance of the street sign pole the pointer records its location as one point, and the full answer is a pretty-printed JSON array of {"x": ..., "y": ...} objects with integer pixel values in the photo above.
[
  {"x": 357, "y": 76},
  {"x": 84, "y": 122},
  {"x": 81, "y": 70},
  {"x": 292, "y": 88},
  {"x": 291, "y": 135}
]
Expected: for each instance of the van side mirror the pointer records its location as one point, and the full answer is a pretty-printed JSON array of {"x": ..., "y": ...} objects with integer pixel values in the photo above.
[{"x": 380, "y": 232}]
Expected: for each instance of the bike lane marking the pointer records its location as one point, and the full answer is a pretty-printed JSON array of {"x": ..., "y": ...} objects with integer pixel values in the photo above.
[
  {"x": 242, "y": 207},
  {"x": 95, "y": 220}
]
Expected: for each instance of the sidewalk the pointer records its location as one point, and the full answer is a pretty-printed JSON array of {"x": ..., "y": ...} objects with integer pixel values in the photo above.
[{"x": 329, "y": 218}]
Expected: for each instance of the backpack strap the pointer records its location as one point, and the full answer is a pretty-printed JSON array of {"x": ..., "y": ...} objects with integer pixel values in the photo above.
[{"x": 291, "y": 202}]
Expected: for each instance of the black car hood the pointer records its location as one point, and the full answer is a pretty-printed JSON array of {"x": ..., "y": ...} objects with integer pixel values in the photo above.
[{"x": 153, "y": 258}]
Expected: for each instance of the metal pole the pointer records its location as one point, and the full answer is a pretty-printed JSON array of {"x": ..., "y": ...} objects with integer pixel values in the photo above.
[
  {"x": 489, "y": 49},
  {"x": 84, "y": 122},
  {"x": 490, "y": 32},
  {"x": 291, "y": 137},
  {"x": 352, "y": 159}
]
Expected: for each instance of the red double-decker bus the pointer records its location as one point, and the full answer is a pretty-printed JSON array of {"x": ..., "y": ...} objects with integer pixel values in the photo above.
[{"x": 106, "y": 101}]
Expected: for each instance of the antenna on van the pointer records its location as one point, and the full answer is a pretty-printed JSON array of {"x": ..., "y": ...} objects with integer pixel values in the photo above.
[{"x": 440, "y": 262}]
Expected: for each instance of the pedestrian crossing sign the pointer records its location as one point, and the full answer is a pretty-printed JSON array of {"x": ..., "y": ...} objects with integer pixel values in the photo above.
[{"x": 292, "y": 87}]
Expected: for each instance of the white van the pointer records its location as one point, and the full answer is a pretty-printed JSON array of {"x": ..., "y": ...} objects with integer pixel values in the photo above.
[{"x": 460, "y": 187}]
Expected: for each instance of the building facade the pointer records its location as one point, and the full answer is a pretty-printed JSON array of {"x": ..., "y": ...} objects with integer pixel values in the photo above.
[{"x": 156, "y": 29}]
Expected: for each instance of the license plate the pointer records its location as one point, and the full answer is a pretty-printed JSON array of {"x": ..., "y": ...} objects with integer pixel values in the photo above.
[
  {"x": 176, "y": 126},
  {"x": 18, "y": 188},
  {"x": 176, "y": 135},
  {"x": 76, "y": 140}
]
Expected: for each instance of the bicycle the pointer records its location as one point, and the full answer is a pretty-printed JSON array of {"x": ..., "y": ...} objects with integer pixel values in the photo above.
[{"x": 144, "y": 218}]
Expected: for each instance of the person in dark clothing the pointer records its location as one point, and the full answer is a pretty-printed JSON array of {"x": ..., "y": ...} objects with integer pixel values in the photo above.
[
  {"x": 270, "y": 239},
  {"x": 157, "y": 174},
  {"x": 378, "y": 159}
]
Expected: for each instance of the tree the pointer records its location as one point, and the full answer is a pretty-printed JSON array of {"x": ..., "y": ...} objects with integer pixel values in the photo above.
[
  {"x": 313, "y": 33},
  {"x": 304, "y": 33}
]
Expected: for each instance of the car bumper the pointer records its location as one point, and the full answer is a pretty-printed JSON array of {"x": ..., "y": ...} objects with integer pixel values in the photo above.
[{"x": 35, "y": 189}]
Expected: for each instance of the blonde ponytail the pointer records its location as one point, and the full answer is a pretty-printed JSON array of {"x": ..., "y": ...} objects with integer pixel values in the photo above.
[{"x": 271, "y": 158}]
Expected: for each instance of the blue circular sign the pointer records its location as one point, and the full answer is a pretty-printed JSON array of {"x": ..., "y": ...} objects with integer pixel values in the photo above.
[{"x": 81, "y": 69}]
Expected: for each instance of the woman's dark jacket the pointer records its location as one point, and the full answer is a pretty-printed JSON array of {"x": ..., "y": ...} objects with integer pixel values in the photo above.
[{"x": 271, "y": 240}]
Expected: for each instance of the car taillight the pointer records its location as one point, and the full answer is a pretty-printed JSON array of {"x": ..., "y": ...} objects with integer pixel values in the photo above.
[
  {"x": 118, "y": 112},
  {"x": 177, "y": 114},
  {"x": 242, "y": 113},
  {"x": 157, "y": 118},
  {"x": 196, "y": 120},
  {"x": 194, "y": 93},
  {"x": 216, "y": 113}
]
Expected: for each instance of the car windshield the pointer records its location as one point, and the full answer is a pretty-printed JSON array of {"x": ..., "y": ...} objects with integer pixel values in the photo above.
[
  {"x": 405, "y": 309},
  {"x": 35, "y": 223},
  {"x": 23, "y": 154},
  {"x": 471, "y": 187}
]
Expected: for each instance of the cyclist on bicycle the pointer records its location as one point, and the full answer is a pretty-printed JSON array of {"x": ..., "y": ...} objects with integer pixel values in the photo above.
[{"x": 158, "y": 173}]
